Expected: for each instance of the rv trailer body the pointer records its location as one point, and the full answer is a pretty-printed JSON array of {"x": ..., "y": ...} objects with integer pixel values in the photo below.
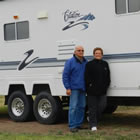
[{"x": 37, "y": 37}]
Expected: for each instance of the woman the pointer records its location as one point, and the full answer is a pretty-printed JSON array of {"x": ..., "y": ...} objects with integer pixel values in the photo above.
[{"x": 97, "y": 80}]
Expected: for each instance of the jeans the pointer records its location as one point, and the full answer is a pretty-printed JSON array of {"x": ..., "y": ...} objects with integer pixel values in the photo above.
[
  {"x": 76, "y": 108},
  {"x": 96, "y": 106}
]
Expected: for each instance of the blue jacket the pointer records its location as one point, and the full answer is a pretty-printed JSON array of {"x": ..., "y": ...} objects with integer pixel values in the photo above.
[{"x": 73, "y": 74}]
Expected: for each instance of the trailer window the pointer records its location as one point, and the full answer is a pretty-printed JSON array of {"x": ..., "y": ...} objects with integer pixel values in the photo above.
[
  {"x": 16, "y": 31},
  {"x": 9, "y": 31},
  {"x": 127, "y": 6},
  {"x": 23, "y": 30},
  {"x": 120, "y": 6},
  {"x": 133, "y": 5}
]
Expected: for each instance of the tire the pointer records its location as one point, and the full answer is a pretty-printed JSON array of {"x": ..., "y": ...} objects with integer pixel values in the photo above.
[
  {"x": 47, "y": 109},
  {"x": 20, "y": 106},
  {"x": 110, "y": 109}
]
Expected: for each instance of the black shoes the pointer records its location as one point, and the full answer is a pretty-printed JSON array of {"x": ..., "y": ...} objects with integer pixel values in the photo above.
[
  {"x": 81, "y": 127},
  {"x": 73, "y": 130}
]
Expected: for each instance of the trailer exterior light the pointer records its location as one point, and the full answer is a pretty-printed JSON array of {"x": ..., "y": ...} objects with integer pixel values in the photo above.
[
  {"x": 42, "y": 15},
  {"x": 15, "y": 17}
]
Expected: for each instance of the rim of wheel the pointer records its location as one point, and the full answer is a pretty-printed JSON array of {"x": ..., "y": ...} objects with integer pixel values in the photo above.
[
  {"x": 44, "y": 108},
  {"x": 17, "y": 107}
]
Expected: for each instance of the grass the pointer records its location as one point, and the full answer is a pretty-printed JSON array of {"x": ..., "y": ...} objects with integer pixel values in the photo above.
[
  {"x": 124, "y": 124},
  {"x": 83, "y": 135}
]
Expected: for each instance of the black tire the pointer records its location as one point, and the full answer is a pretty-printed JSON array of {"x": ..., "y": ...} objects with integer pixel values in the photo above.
[
  {"x": 20, "y": 106},
  {"x": 110, "y": 109},
  {"x": 47, "y": 109}
]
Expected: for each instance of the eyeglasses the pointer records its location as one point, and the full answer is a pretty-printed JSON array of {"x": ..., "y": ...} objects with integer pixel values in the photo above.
[
  {"x": 98, "y": 53},
  {"x": 80, "y": 50}
]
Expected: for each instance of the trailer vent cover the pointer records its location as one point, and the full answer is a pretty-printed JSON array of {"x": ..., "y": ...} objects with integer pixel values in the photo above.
[{"x": 65, "y": 49}]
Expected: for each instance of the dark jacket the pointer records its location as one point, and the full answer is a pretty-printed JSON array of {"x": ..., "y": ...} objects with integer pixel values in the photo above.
[{"x": 97, "y": 77}]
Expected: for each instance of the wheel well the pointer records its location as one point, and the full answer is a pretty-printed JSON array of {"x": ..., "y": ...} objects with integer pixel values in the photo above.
[
  {"x": 37, "y": 88},
  {"x": 13, "y": 88}
]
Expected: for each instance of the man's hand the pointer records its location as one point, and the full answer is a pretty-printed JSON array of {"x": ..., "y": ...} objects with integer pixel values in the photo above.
[{"x": 68, "y": 92}]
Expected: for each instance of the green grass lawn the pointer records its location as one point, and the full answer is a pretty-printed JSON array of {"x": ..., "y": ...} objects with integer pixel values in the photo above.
[
  {"x": 124, "y": 124},
  {"x": 78, "y": 136}
]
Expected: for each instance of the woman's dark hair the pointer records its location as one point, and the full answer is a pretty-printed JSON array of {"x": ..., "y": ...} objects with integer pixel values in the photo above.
[{"x": 100, "y": 49}]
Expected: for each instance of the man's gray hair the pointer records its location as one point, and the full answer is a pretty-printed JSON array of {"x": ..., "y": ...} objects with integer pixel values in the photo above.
[{"x": 78, "y": 46}]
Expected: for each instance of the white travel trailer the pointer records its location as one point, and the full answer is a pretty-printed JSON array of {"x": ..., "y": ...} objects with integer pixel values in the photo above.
[{"x": 38, "y": 36}]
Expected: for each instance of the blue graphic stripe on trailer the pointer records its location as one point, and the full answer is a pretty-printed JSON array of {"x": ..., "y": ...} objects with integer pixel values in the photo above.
[
  {"x": 118, "y": 56},
  {"x": 54, "y": 62}
]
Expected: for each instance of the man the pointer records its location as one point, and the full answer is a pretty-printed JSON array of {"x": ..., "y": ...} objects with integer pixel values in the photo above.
[
  {"x": 97, "y": 79},
  {"x": 73, "y": 80}
]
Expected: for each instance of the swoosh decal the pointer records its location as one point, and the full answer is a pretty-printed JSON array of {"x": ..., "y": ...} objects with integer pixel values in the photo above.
[
  {"x": 23, "y": 64},
  {"x": 72, "y": 24}
]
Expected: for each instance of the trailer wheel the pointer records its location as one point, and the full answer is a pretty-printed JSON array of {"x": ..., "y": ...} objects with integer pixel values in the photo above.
[
  {"x": 47, "y": 109},
  {"x": 20, "y": 106},
  {"x": 110, "y": 109}
]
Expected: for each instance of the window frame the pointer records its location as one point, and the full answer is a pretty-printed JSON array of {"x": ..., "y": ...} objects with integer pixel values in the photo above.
[
  {"x": 5, "y": 31},
  {"x": 16, "y": 31},
  {"x": 127, "y": 9},
  {"x": 128, "y": 2}
]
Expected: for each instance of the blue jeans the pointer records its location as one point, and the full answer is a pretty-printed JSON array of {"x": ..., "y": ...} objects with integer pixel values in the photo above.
[{"x": 76, "y": 108}]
